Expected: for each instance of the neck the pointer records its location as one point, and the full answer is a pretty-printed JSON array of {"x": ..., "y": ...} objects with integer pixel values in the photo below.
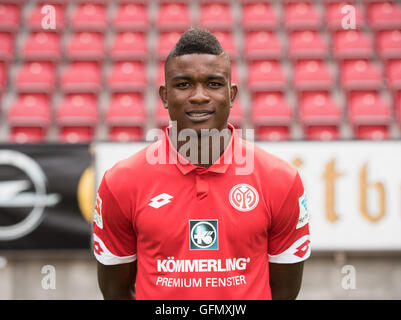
[{"x": 202, "y": 149}]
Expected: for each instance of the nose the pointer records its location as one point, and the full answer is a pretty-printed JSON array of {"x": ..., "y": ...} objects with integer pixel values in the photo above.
[{"x": 199, "y": 95}]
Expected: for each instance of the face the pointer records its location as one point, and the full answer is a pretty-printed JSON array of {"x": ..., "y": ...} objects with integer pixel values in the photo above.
[{"x": 198, "y": 91}]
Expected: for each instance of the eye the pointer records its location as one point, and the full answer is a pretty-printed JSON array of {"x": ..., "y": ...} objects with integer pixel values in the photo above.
[
  {"x": 215, "y": 84},
  {"x": 182, "y": 84}
]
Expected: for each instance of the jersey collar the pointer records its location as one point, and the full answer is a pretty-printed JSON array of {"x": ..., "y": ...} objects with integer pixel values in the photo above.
[{"x": 185, "y": 166}]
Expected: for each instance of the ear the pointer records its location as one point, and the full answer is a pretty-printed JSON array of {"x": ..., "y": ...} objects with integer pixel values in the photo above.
[
  {"x": 233, "y": 94},
  {"x": 163, "y": 95}
]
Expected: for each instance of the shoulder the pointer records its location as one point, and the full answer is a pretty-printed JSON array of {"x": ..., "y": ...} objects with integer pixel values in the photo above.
[
  {"x": 127, "y": 172},
  {"x": 271, "y": 164},
  {"x": 273, "y": 170}
]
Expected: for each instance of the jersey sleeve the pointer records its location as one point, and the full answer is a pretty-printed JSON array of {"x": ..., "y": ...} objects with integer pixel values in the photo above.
[
  {"x": 289, "y": 237},
  {"x": 114, "y": 239}
]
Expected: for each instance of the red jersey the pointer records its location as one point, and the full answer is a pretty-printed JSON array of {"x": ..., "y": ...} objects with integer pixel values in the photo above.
[{"x": 200, "y": 233}]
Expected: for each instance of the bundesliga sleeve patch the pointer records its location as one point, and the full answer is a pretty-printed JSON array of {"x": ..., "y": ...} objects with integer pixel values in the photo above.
[
  {"x": 303, "y": 212},
  {"x": 97, "y": 213}
]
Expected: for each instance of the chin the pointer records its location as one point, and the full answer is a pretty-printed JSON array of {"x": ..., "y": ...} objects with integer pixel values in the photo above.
[{"x": 206, "y": 126}]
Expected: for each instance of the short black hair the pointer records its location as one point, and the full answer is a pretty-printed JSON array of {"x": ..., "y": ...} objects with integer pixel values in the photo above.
[{"x": 197, "y": 41}]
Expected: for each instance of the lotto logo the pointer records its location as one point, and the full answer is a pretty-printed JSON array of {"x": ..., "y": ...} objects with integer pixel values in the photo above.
[
  {"x": 97, "y": 247},
  {"x": 203, "y": 235},
  {"x": 302, "y": 249},
  {"x": 160, "y": 200}
]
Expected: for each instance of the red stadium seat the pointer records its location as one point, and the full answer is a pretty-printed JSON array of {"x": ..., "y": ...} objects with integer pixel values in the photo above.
[
  {"x": 384, "y": 15},
  {"x": 131, "y": 17},
  {"x": 234, "y": 73},
  {"x": 389, "y": 44},
  {"x": 258, "y": 16},
  {"x": 216, "y": 16},
  {"x": 360, "y": 75},
  {"x": 398, "y": 107},
  {"x": 6, "y": 46},
  {"x": 253, "y": 1},
  {"x": 307, "y": 45},
  {"x": 335, "y": 15},
  {"x": 91, "y": 1},
  {"x": 35, "y": 18},
  {"x": 81, "y": 76},
  {"x": 393, "y": 74},
  {"x": 173, "y": 17},
  {"x": 42, "y": 46},
  {"x": 19, "y": 2},
  {"x": 89, "y": 17},
  {"x": 129, "y": 46},
  {"x": 271, "y": 116},
  {"x": 166, "y": 43},
  {"x": 161, "y": 116},
  {"x": 352, "y": 44},
  {"x": 312, "y": 75},
  {"x": 85, "y": 46},
  {"x": 369, "y": 115},
  {"x": 127, "y": 76},
  {"x": 77, "y": 117},
  {"x": 126, "y": 117},
  {"x": 10, "y": 15},
  {"x": 160, "y": 74},
  {"x": 320, "y": 116},
  {"x": 3, "y": 76},
  {"x": 36, "y": 76},
  {"x": 227, "y": 41},
  {"x": 260, "y": 45},
  {"x": 29, "y": 118},
  {"x": 203, "y": 1},
  {"x": 236, "y": 117},
  {"x": 266, "y": 76},
  {"x": 301, "y": 16}
]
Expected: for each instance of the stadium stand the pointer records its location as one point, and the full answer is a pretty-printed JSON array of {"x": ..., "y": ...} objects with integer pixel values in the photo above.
[
  {"x": 131, "y": 17},
  {"x": 29, "y": 118},
  {"x": 271, "y": 115},
  {"x": 301, "y": 73},
  {"x": 42, "y": 46},
  {"x": 77, "y": 117},
  {"x": 6, "y": 46},
  {"x": 320, "y": 115},
  {"x": 35, "y": 17},
  {"x": 173, "y": 17},
  {"x": 261, "y": 45},
  {"x": 10, "y": 17},
  {"x": 126, "y": 117}
]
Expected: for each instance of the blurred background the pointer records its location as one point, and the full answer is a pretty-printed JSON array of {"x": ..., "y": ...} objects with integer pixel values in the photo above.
[{"x": 319, "y": 83}]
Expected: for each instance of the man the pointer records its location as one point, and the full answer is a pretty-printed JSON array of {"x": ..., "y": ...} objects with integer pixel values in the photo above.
[{"x": 196, "y": 227}]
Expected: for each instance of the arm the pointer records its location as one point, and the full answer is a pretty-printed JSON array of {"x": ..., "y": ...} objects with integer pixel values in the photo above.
[
  {"x": 117, "y": 282},
  {"x": 285, "y": 280},
  {"x": 289, "y": 244},
  {"x": 114, "y": 246}
]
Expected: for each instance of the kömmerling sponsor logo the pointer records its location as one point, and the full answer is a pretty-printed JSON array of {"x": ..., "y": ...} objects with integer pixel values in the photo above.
[{"x": 203, "y": 235}]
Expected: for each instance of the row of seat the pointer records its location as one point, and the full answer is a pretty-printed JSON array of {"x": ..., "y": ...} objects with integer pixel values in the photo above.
[
  {"x": 262, "y": 75},
  {"x": 78, "y": 115},
  {"x": 344, "y": 44},
  {"x": 216, "y": 16}
]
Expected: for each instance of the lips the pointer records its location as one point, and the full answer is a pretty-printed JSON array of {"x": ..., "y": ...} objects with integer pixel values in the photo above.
[{"x": 199, "y": 115}]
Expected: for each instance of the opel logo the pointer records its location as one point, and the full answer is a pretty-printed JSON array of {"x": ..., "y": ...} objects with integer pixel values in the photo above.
[{"x": 13, "y": 194}]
